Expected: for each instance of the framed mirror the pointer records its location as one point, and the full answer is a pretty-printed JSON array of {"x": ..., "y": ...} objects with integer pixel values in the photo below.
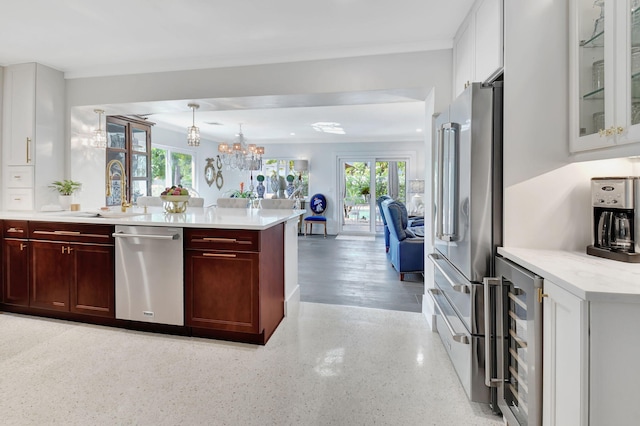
[{"x": 209, "y": 172}]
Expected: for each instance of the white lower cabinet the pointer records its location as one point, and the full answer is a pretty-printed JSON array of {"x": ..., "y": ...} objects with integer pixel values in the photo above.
[
  {"x": 565, "y": 358},
  {"x": 590, "y": 360}
]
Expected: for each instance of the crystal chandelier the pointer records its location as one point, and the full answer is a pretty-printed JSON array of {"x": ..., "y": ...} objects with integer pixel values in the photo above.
[
  {"x": 193, "y": 133},
  {"x": 99, "y": 135},
  {"x": 240, "y": 155}
]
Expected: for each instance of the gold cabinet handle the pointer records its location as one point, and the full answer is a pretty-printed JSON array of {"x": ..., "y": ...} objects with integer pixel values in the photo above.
[
  {"x": 18, "y": 230},
  {"x": 218, "y": 255},
  {"x": 541, "y": 295},
  {"x": 28, "y": 150},
  {"x": 219, "y": 240},
  {"x": 22, "y": 246}
]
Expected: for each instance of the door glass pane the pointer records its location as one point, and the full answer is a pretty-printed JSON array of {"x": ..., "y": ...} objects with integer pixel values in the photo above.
[
  {"x": 116, "y": 136},
  {"x": 591, "y": 66},
  {"x": 516, "y": 356},
  {"x": 357, "y": 184},
  {"x": 139, "y": 166},
  {"x": 117, "y": 177},
  {"x": 139, "y": 140}
]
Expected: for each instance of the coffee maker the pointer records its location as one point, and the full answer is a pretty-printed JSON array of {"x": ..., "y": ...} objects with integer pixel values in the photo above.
[{"x": 616, "y": 213}]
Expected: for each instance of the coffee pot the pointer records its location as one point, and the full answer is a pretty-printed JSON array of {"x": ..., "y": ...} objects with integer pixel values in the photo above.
[{"x": 615, "y": 218}]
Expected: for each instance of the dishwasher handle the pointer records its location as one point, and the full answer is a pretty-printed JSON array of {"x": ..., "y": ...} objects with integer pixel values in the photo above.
[{"x": 148, "y": 236}]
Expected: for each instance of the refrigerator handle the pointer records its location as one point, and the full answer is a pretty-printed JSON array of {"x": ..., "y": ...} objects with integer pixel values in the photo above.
[
  {"x": 451, "y": 233},
  {"x": 439, "y": 182},
  {"x": 489, "y": 314}
]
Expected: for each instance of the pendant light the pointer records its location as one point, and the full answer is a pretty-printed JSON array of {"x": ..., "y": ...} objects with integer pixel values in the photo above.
[
  {"x": 193, "y": 133},
  {"x": 99, "y": 135}
]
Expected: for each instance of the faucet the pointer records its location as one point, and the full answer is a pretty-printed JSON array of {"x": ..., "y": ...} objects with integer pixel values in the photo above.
[{"x": 109, "y": 178}]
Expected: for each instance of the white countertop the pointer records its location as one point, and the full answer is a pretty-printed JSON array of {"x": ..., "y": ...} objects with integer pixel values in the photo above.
[
  {"x": 588, "y": 277},
  {"x": 194, "y": 217}
]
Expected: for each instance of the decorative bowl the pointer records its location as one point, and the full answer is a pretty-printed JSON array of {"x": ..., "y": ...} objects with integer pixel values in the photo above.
[{"x": 175, "y": 203}]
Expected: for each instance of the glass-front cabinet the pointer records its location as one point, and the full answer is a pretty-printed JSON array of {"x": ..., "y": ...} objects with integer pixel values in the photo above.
[{"x": 605, "y": 73}]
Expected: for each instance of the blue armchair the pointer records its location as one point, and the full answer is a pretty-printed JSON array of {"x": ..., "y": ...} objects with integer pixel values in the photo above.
[
  {"x": 384, "y": 220},
  {"x": 406, "y": 244}
]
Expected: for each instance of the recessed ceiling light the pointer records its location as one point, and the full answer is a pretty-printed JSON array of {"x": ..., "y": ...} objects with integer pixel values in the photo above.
[
  {"x": 328, "y": 127},
  {"x": 419, "y": 130},
  {"x": 292, "y": 134}
]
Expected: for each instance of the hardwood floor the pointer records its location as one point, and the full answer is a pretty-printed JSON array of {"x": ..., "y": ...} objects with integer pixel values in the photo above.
[{"x": 354, "y": 273}]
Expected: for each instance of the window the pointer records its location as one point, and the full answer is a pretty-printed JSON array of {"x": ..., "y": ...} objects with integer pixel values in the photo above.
[
  {"x": 170, "y": 166},
  {"x": 282, "y": 169}
]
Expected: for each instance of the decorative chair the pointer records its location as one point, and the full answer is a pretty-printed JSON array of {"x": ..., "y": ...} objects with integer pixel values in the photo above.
[
  {"x": 317, "y": 204},
  {"x": 277, "y": 203},
  {"x": 406, "y": 244}
]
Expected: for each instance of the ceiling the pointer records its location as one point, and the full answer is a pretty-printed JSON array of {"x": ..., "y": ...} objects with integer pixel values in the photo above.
[{"x": 85, "y": 38}]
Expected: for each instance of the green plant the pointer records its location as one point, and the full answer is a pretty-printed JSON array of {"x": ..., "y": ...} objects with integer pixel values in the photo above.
[
  {"x": 65, "y": 187},
  {"x": 241, "y": 194}
]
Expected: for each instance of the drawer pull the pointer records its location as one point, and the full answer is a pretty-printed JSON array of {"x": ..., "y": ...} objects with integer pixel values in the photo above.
[
  {"x": 457, "y": 337},
  {"x": 220, "y": 240},
  {"x": 58, "y": 303},
  {"x": 17, "y": 199},
  {"x": 17, "y": 177},
  {"x": 17, "y": 230},
  {"x": 218, "y": 255},
  {"x": 71, "y": 233}
]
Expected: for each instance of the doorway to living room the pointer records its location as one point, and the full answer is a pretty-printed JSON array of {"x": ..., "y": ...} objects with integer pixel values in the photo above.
[{"x": 362, "y": 181}]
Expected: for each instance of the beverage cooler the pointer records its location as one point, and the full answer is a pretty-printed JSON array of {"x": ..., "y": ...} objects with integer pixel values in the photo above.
[{"x": 513, "y": 314}]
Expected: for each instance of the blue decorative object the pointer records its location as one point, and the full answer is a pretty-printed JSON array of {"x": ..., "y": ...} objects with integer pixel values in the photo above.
[
  {"x": 260, "y": 189},
  {"x": 317, "y": 204},
  {"x": 290, "y": 189}
]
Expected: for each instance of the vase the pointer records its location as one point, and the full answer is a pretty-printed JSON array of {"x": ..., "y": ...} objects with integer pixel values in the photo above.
[
  {"x": 290, "y": 189},
  {"x": 260, "y": 190},
  {"x": 65, "y": 201}
]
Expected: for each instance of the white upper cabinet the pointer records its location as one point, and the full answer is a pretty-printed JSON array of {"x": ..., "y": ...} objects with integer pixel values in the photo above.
[
  {"x": 605, "y": 73},
  {"x": 32, "y": 133},
  {"x": 19, "y": 114},
  {"x": 478, "y": 45},
  {"x": 488, "y": 39}
]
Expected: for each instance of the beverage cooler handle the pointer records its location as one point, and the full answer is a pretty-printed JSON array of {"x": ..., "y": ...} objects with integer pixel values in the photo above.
[{"x": 488, "y": 282}]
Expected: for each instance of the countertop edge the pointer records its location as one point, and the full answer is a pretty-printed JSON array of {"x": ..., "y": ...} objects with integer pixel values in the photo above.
[
  {"x": 246, "y": 219},
  {"x": 587, "y": 277}
]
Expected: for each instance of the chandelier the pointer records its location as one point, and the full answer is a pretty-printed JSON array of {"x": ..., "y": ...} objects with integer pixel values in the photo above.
[
  {"x": 99, "y": 135},
  {"x": 240, "y": 155},
  {"x": 193, "y": 133}
]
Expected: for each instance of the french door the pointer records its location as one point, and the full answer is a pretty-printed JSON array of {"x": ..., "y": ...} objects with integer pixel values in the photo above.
[{"x": 362, "y": 181}]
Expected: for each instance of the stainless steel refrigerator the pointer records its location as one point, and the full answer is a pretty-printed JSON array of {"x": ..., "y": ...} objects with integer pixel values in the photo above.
[{"x": 467, "y": 178}]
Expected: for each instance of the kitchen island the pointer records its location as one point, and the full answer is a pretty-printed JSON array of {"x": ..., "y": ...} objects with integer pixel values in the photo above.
[{"x": 239, "y": 268}]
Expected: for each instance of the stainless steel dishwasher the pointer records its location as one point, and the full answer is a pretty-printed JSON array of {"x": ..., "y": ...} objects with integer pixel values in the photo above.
[{"x": 149, "y": 274}]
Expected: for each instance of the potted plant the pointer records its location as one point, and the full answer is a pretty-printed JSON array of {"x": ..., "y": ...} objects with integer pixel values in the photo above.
[{"x": 66, "y": 188}]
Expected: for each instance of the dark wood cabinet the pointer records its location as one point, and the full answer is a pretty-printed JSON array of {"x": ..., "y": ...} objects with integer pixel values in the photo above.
[
  {"x": 234, "y": 280},
  {"x": 72, "y": 268},
  {"x": 15, "y": 263}
]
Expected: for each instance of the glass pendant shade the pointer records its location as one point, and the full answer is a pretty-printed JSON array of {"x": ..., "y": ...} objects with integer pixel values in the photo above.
[
  {"x": 193, "y": 133},
  {"x": 99, "y": 135}
]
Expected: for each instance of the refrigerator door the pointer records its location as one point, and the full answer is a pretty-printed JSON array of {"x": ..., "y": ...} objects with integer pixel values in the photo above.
[{"x": 472, "y": 248}]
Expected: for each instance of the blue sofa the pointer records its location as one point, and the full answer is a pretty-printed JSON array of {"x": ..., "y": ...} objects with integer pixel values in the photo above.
[
  {"x": 412, "y": 221},
  {"x": 406, "y": 244}
]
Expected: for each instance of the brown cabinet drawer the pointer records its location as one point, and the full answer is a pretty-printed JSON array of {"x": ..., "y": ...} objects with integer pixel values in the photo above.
[
  {"x": 222, "y": 239},
  {"x": 15, "y": 229},
  {"x": 71, "y": 232}
]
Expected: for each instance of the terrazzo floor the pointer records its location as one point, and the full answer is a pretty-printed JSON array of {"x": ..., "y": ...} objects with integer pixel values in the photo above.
[{"x": 324, "y": 365}]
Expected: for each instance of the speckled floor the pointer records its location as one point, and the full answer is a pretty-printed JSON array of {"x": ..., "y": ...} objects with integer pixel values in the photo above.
[{"x": 329, "y": 365}]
